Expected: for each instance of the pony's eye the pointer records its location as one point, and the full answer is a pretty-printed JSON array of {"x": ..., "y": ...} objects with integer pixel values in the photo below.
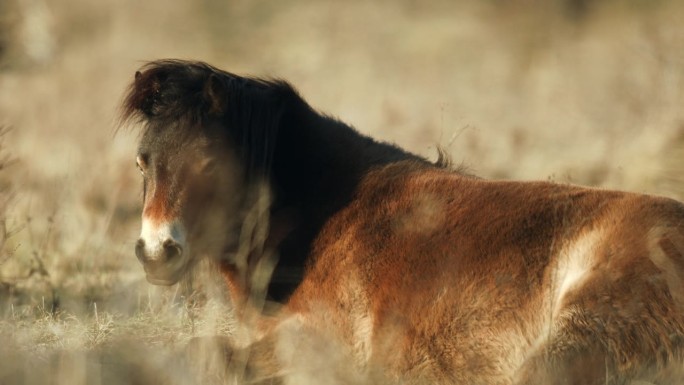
[{"x": 141, "y": 164}]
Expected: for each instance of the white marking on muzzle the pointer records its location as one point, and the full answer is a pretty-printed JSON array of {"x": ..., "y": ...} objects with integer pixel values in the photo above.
[{"x": 154, "y": 234}]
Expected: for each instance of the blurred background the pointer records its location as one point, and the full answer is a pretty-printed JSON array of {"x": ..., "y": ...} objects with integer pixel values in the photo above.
[{"x": 580, "y": 91}]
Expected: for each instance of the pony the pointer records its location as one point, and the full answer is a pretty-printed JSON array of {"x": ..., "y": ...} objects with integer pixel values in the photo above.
[{"x": 389, "y": 268}]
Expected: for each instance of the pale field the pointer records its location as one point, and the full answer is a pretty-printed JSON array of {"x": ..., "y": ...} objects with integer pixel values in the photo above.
[{"x": 511, "y": 89}]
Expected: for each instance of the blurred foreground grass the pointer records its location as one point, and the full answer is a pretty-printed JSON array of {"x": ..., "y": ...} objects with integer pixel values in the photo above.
[{"x": 571, "y": 90}]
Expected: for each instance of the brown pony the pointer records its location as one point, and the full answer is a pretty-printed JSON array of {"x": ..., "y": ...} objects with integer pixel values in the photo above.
[{"x": 390, "y": 268}]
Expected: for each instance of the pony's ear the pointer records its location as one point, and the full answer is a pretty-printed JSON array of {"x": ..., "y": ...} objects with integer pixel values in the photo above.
[
  {"x": 147, "y": 88},
  {"x": 215, "y": 95},
  {"x": 143, "y": 95}
]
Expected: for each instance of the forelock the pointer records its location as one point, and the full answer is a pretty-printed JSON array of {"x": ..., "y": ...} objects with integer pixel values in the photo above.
[{"x": 166, "y": 89}]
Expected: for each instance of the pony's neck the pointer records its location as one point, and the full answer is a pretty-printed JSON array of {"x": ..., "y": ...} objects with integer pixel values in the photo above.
[
  {"x": 317, "y": 165},
  {"x": 319, "y": 161}
]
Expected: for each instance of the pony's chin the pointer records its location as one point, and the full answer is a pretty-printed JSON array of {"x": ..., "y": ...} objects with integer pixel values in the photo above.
[
  {"x": 166, "y": 277},
  {"x": 162, "y": 281}
]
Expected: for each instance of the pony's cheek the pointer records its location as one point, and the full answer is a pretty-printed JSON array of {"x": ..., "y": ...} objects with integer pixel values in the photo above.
[{"x": 197, "y": 203}]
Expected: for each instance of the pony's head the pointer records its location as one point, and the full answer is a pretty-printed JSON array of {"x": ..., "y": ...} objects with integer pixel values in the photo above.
[{"x": 207, "y": 140}]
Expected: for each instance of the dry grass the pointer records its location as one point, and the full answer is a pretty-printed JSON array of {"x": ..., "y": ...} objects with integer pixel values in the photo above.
[{"x": 517, "y": 89}]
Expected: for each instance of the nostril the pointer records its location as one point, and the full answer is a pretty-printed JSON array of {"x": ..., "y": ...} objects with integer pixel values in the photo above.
[
  {"x": 140, "y": 250},
  {"x": 172, "y": 250}
]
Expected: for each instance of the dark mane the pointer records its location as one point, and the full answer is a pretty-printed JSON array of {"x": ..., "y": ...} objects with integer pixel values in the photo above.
[
  {"x": 172, "y": 89},
  {"x": 193, "y": 94}
]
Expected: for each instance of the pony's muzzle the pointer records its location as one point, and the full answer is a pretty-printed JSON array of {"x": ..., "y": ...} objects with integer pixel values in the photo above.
[
  {"x": 170, "y": 250},
  {"x": 163, "y": 265}
]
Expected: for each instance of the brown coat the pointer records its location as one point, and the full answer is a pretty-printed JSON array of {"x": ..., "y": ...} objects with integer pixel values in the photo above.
[
  {"x": 391, "y": 268},
  {"x": 445, "y": 278}
]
